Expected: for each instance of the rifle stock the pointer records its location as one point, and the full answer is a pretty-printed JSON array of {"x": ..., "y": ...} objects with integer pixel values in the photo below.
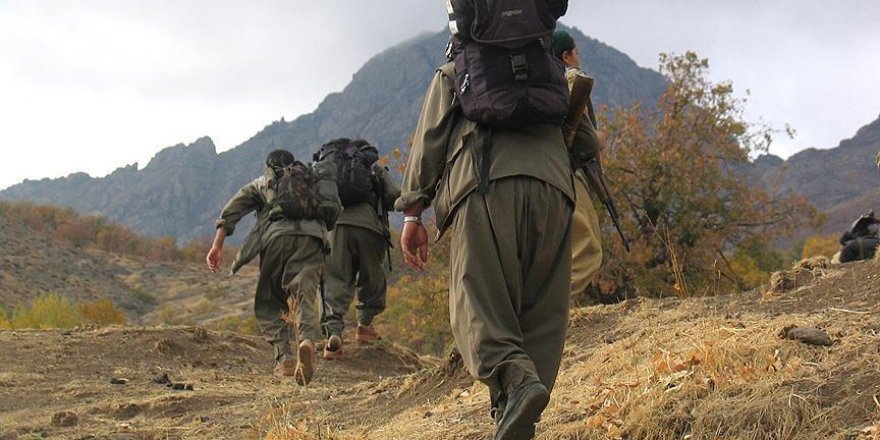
[{"x": 579, "y": 103}]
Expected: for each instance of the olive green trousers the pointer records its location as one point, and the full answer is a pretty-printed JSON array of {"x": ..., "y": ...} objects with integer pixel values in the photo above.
[
  {"x": 290, "y": 271},
  {"x": 510, "y": 281}
]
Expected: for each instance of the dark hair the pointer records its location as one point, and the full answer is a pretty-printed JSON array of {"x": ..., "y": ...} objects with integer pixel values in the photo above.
[
  {"x": 279, "y": 159},
  {"x": 562, "y": 42}
]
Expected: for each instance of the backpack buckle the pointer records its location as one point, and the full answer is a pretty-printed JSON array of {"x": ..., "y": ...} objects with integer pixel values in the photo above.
[
  {"x": 520, "y": 66},
  {"x": 465, "y": 83}
]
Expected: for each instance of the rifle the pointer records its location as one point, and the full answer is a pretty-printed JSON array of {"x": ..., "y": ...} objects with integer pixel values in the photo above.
[
  {"x": 593, "y": 172},
  {"x": 383, "y": 218},
  {"x": 592, "y": 169}
]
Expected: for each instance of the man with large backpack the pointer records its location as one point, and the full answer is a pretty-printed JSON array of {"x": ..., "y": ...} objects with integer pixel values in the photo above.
[
  {"x": 294, "y": 204},
  {"x": 489, "y": 155},
  {"x": 359, "y": 242}
]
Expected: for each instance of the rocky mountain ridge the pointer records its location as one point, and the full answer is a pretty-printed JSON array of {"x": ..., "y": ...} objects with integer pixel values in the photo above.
[
  {"x": 843, "y": 182},
  {"x": 180, "y": 192}
]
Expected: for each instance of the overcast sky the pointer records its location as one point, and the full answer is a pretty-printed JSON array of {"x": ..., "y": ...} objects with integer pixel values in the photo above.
[{"x": 92, "y": 85}]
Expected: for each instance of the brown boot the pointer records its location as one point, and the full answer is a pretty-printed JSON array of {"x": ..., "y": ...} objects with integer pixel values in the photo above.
[
  {"x": 305, "y": 365},
  {"x": 286, "y": 367},
  {"x": 366, "y": 333},
  {"x": 333, "y": 349}
]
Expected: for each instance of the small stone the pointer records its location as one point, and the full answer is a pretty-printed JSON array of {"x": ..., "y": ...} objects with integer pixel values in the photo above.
[
  {"x": 808, "y": 335},
  {"x": 65, "y": 419},
  {"x": 162, "y": 379},
  {"x": 181, "y": 386},
  {"x": 118, "y": 381}
]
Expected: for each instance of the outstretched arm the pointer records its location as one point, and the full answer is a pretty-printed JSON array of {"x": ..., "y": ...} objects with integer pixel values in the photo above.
[{"x": 215, "y": 255}]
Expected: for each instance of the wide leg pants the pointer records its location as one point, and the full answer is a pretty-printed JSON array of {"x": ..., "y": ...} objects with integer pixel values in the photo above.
[{"x": 510, "y": 281}]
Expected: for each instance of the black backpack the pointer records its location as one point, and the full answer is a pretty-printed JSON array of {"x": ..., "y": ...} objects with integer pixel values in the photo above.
[
  {"x": 505, "y": 74},
  {"x": 354, "y": 174}
]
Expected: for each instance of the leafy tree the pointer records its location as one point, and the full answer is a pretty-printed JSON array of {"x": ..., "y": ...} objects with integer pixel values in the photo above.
[
  {"x": 680, "y": 175},
  {"x": 824, "y": 245}
]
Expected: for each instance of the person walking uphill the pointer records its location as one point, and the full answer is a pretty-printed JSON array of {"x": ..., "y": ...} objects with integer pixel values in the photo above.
[
  {"x": 289, "y": 238},
  {"x": 359, "y": 242},
  {"x": 502, "y": 183}
]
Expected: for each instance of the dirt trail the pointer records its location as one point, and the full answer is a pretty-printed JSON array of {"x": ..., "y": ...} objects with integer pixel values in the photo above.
[
  {"x": 46, "y": 374},
  {"x": 647, "y": 369}
]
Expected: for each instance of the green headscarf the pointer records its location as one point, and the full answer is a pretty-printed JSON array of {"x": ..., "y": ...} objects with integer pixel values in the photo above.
[{"x": 562, "y": 42}]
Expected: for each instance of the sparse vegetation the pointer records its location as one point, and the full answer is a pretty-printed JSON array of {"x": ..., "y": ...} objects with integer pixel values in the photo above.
[
  {"x": 820, "y": 245},
  {"x": 242, "y": 325},
  {"x": 67, "y": 226},
  {"x": 418, "y": 304},
  {"x": 102, "y": 313},
  {"x": 143, "y": 296},
  {"x": 53, "y": 311}
]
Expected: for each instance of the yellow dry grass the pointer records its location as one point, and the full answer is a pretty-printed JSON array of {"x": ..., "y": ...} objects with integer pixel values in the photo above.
[{"x": 682, "y": 372}]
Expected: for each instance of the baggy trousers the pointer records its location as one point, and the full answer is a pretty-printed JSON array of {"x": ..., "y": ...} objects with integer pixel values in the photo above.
[
  {"x": 510, "y": 276},
  {"x": 355, "y": 266},
  {"x": 290, "y": 270},
  {"x": 586, "y": 241}
]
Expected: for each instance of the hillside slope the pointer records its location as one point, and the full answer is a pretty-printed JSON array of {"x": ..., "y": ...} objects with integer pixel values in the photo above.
[
  {"x": 842, "y": 181},
  {"x": 649, "y": 369},
  {"x": 180, "y": 192}
]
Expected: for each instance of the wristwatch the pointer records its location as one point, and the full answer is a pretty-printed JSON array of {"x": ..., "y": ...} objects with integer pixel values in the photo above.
[{"x": 412, "y": 219}]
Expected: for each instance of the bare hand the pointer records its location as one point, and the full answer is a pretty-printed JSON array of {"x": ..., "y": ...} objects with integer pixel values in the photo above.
[
  {"x": 414, "y": 243},
  {"x": 215, "y": 258}
]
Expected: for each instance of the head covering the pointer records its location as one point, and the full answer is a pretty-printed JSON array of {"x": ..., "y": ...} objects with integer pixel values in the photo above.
[{"x": 562, "y": 42}]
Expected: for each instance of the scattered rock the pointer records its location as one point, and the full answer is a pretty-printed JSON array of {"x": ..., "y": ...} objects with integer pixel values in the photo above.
[
  {"x": 608, "y": 339},
  {"x": 65, "y": 419},
  {"x": 118, "y": 381},
  {"x": 807, "y": 335},
  {"x": 162, "y": 379},
  {"x": 181, "y": 386}
]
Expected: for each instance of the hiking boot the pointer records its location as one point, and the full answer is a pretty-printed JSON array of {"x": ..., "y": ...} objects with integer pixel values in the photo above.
[
  {"x": 285, "y": 367},
  {"x": 524, "y": 407},
  {"x": 305, "y": 365},
  {"x": 333, "y": 349},
  {"x": 366, "y": 333}
]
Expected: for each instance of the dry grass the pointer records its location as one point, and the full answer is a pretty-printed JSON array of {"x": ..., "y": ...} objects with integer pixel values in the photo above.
[
  {"x": 672, "y": 369},
  {"x": 705, "y": 368},
  {"x": 802, "y": 274}
]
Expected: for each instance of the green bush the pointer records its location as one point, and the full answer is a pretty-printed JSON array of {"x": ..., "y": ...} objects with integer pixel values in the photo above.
[
  {"x": 47, "y": 311},
  {"x": 4, "y": 320}
]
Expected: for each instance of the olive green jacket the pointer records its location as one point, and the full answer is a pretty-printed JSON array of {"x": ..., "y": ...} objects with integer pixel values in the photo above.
[
  {"x": 446, "y": 156},
  {"x": 368, "y": 216},
  {"x": 257, "y": 196}
]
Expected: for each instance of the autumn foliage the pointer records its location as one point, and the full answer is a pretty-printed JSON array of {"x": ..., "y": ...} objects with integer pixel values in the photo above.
[
  {"x": 95, "y": 232},
  {"x": 679, "y": 173}
]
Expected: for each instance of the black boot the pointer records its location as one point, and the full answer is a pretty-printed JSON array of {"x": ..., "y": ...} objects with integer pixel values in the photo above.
[{"x": 523, "y": 409}]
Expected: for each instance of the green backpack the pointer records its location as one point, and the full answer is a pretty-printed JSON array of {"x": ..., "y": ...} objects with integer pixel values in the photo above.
[{"x": 304, "y": 192}]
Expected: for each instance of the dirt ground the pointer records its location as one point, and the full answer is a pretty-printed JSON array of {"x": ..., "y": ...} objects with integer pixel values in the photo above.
[
  {"x": 705, "y": 368},
  {"x": 47, "y": 375}
]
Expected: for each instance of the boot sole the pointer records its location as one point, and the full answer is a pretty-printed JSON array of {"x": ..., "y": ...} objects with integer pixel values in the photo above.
[
  {"x": 306, "y": 364},
  {"x": 520, "y": 423}
]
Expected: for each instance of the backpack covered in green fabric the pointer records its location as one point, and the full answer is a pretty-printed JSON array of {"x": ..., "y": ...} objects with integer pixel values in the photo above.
[{"x": 305, "y": 192}]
